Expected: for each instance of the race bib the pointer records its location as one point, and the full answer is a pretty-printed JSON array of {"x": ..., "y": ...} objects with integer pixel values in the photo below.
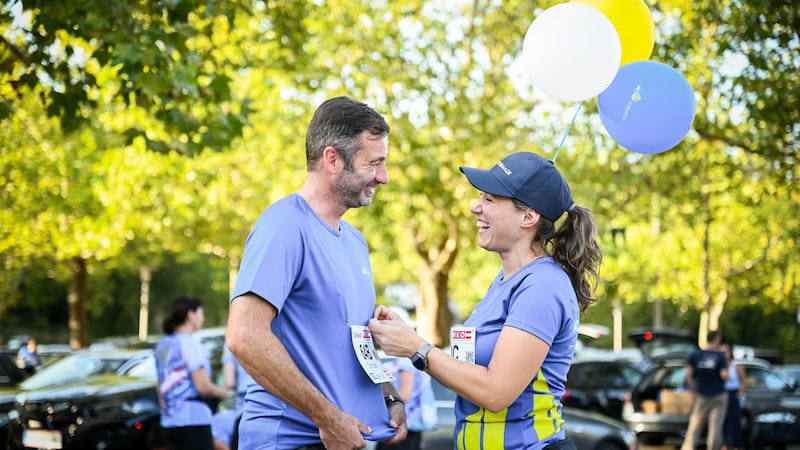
[
  {"x": 367, "y": 356},
  {"x": 462, "y": 343}
]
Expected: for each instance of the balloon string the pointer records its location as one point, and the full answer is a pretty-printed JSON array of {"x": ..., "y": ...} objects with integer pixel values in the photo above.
[{"x": 574, "y": 116}]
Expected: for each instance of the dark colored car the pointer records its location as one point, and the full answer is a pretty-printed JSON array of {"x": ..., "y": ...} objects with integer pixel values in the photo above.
[
  {"x": 601, "y": 386},
  {"x": 10, "y": 373},
  {"x": 88, "y": 400},
  {"x": 10, "y": 377},
  {"x": 589, "y": 431},
  {"x": 659, "y": 405},
  {"x": 793, "y": 370},
  {"x": 103, "y": 400}
]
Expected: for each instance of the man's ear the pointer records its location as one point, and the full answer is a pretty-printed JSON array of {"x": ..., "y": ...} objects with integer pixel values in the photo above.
[{"x": 331, "y": 161}]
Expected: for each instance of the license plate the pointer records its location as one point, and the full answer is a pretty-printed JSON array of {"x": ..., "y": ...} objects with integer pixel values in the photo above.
[{"x": 46, "y": 439}]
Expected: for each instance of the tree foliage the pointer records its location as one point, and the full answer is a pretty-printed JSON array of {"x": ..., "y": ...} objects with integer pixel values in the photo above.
[
  {"x": 701, "y": 233},
  {"x": 160, "y": 57}
]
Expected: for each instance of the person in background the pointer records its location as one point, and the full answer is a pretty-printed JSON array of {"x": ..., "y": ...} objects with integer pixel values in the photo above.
[
  {"x": 510, "y": 364},
  {"x": 28, "y": 358},
  {"x": 235, "y": 379},
  {"x": 184, "y": 379},
  {"x": 305, "y": 293},
  {"x": 706, "y": 372},
  {"x": 735, "y": 385}
]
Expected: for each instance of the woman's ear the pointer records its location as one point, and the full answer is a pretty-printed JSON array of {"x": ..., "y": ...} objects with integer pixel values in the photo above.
[{"x": 531, "y": 218}]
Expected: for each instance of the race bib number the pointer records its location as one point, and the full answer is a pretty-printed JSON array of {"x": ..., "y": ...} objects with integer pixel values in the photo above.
[
  {"x": 462, "y": 343},
  {"x": 367, "y": 356}
]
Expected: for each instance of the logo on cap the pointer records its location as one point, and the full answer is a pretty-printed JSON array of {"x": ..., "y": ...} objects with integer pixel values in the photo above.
[{"x": 504, "y": 168}]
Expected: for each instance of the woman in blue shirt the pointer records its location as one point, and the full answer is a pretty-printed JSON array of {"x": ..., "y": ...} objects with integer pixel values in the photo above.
[
  {"x": 184, "y": 379},
  {"x": 515, "y": 349}
]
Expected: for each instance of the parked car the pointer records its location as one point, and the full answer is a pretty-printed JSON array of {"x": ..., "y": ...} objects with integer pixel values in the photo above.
[
  {"x": 52, "y": 352},
  {"x": 87, "y": 400},
  {"x": 10, "y": 373},
  {"x": 590, "y": 431},
  {"x": 659, "y": 406},
  {"x": 793, "y": 370},
  {"x": 95, "y": 399},
  {"x": 10, "y": 377},
  {"x": 601, "y": 386}
]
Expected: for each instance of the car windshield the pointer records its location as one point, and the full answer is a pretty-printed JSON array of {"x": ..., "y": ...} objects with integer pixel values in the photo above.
[{"x": 73, "y": 367}]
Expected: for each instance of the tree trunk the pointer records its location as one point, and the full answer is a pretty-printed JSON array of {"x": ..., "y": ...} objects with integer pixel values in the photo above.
[
  {"x": 145, "y": 275},
  {"x": 78, "y": 322},
  {"x": 434, "y": 318}
]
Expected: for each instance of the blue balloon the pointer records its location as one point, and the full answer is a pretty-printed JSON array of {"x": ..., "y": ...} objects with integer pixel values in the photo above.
[{"x": 648, "y": 108}]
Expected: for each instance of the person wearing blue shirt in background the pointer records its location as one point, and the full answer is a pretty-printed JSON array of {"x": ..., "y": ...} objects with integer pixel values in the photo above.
[
  {"x": 28, "y": 358},
  {"x": 414, "y": 387},
  {"x": 304, "y": 295},
  {"x": 236, "y": 380},
  {"x": 510, "y": 367},
  {"x": 184, "y": 379}
]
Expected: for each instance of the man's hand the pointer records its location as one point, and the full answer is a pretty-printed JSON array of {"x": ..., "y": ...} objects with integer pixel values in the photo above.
[
  {"x": 344, "y": 432},
  {"x": 397, "y": 420}
]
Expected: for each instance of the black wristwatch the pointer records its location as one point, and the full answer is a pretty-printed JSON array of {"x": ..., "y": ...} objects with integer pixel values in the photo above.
[
  {"x": 420, "y": 358},
  {"x": 389, "y": 399}
]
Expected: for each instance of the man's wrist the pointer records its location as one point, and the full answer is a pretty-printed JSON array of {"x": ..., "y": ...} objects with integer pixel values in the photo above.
[{"x": 392, "y": 399}]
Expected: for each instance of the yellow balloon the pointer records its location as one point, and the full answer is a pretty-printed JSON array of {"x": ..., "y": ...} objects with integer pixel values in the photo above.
[{"x": 634, "y": 24}]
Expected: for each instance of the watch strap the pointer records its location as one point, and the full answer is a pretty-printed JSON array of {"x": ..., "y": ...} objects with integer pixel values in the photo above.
[
  {"x": 420, "y": 358},
  {"x": 389, "y": 399}
]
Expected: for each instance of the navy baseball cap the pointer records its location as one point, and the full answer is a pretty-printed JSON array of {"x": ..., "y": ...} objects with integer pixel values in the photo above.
[{"x": 528, "y": 178}]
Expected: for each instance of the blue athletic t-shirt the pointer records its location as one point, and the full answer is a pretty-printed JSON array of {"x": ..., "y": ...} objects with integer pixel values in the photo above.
[
  {"x": 320, "y": 281},
  {"x": 177, "y": 356},
  {"x": 538, "y": 299}
]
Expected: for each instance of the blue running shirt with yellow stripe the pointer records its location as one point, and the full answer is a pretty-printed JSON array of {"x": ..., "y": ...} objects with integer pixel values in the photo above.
[{"x": 538, "y": 299}]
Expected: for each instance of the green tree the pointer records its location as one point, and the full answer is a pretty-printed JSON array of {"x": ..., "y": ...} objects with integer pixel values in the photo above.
[{"x": 160, "y": 57}]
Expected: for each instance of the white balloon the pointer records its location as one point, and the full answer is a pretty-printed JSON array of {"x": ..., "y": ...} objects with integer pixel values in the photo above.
[{"x": 572, "y": 51}]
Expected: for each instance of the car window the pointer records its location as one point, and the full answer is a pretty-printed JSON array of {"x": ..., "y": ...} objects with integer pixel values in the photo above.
[
  {"x": 577, "y": 375},
  {"x": 671, "y": 377},
  {"x": 72, "y": 368},
  {"x": 145, "y": 368},
  {"x": 761, "y": 378},
  {"x": 629, "y": 376}
]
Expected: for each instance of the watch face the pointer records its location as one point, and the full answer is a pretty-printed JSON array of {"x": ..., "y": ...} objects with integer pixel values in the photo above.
[{"x": 419, "y": 361}]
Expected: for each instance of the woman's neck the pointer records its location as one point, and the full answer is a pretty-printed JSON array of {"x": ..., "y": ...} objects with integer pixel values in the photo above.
[
  {"x": 185, "y": 328},
  {"x": 515, "y": 263}
]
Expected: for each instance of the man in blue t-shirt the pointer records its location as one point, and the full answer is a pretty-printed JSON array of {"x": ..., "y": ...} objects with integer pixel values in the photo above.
[
  {"x": 305, "y": 284},
  {"x": 706, "y": 372}
]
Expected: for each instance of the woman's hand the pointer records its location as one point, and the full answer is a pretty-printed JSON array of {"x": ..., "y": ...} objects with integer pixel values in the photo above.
[{"x": 394, "y": 336}]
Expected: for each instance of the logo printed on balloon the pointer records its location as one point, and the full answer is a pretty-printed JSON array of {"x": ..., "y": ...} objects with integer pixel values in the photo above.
[
  {"x": 635, "y": 97},
  {"x": 648, "y": 108}
]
